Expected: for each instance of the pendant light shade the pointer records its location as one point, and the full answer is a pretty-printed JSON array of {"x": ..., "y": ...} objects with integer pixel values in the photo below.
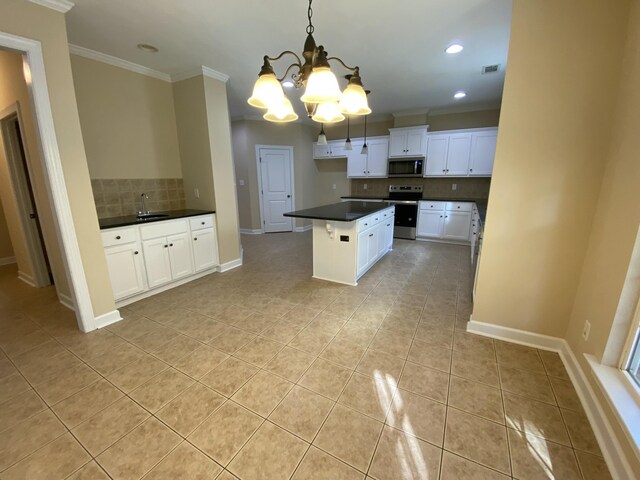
[
  {"x": 354, "y": 100},
  {"x": 266, "y": 91},
  {"x": 347, "y": 144},
  {"x": 328, "y": 112},
  {"x": 322, "y": 138},
  {"x": 365, "y": 149},
  {"x": 281, "y": 112},
  {"x": 322, "y": 86}
]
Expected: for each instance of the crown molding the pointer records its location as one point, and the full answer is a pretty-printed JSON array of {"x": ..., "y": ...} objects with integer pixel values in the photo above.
[
  {"x": 62, "y": 6},
  {"x": 202, "y": 70},
  {"x": 117, "y": 62}
]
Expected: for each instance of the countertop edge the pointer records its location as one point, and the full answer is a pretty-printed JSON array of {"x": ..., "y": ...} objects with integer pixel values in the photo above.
[
  {"x": 381, "y": 206},
  {"x": 131, "y": 220}
]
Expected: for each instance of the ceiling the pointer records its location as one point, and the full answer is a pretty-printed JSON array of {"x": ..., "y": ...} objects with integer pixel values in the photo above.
[{"x": 399, "y": 45}]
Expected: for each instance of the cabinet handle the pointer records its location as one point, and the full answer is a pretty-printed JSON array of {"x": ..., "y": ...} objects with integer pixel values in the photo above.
[
  {"x": 388, "y": 224},
  {"x": 201, "y": 223},
  {"x": 135, "y": 253},
  {"x": 371, "y": 234},
  {"x": 195, "y": 238},
  {"x": 366, "y": 224},
  {"x": 118, "y": 237},
  {"x": 471, "y": 169},
  {"x": 166, "y": 246},
  {"x": 171, "y": 244},
  {"x": 440, "y": 216}
]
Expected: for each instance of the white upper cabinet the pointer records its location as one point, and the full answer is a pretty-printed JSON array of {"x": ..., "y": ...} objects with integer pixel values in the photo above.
[
  {"x": 333, "y": 149},
  {"x": 373, "y": 164},
  {"x": 461, "y": 153},
  {"x": 408, "y": 142},
  {"x": 483, "y": 150}
]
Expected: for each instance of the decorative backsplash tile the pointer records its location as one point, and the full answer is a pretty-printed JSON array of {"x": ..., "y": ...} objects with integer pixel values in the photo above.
[
  {"x": 434, "y": 187},
  {"x": 117, "y": 197}
]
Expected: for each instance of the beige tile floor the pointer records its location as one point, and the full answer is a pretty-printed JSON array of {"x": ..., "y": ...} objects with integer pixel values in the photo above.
[{"x": 265, "y": 373}]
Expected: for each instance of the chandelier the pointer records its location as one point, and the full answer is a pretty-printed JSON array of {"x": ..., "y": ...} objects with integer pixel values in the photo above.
[{"x": 322, "y": 98}]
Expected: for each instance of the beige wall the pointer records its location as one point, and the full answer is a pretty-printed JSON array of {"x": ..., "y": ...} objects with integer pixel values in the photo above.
[
  {"x": 13, "y": 88},
  {"x": 47, "y": 26},
  {"x": 455, "y": 121},
  {"x": 128, "y": 122},
  {"x": 6, "y": 249}
]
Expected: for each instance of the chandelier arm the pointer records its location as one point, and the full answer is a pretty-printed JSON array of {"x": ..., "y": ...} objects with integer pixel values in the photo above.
[
  {"x": 283, "y": 54},
  {"x": 353, "y": 69},
  {"x": 288, "y": 70}
]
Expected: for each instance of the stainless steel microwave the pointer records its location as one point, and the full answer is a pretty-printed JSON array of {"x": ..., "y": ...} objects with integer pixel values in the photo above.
[{"x": 402, "y": 167}]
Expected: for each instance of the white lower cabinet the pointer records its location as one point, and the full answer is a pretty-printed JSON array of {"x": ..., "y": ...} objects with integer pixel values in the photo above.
[
  {"x": 159, "y": 253},
  {"x": 457, "y": 226},
  {"x": 375, "y": 238},
  {"x": 445, "y": 221},
  {"x": 430, "y": 223},
  {"x": 126, "y": 269}
]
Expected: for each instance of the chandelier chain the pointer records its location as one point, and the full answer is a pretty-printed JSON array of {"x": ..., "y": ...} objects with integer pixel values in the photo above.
[{"x": 310, "y": 28}]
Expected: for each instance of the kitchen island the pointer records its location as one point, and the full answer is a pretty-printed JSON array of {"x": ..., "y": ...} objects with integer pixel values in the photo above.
[{"x": 348, "y": 238}]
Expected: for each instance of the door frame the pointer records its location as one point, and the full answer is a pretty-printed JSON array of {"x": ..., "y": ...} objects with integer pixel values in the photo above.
[
  {"x": 293, "y": 181},
  {"x": 33, "y": 64},
  {"x": 20, "y": 193}
]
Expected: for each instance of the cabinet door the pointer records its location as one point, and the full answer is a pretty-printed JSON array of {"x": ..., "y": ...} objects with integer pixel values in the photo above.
[
  {"x": 205, "y": 249},
  {"x": 336, "y": 149},
  {"x": 356, "y": 162},
  {"x": 430, "y": 223},
  {"x": 126, "y": 270},
  {"x": 458, "y": 155},
  {"x": 388, "y": 234},
  {"x": 363, "y": 251},
  {"x": 180, "y": 255},
  {"x": 416, "y": 144},
  {"x": 321, "y": 151},
  {"x": 397, "y": 144},
  {"x": 437, "y": 148},
  {"x": 457, "y": 226},
  {"x": 377, "y": 160},
  {"x": 373, "y": 250},
  {"x": 483, "y": 150},
  {"x": 156, "y": 261}
]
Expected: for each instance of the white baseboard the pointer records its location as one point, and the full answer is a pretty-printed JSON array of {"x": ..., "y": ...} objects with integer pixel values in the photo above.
[
  {"x": 608, "y": 442},
  {"x": 7, "y": 260},
  {"x": 224, "y": 267},
  {"x": 306, "y": 228},
  {"x": 28, "y": 279},
  {"x": 66, "y": 301},
  {"x": 248, "y": 231},
  {"x": 107, "y": 319}
]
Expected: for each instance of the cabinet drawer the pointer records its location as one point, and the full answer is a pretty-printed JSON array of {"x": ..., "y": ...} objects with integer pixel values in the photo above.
[
  {"x": 365, "y": 223},
  {"x": 429, "y": 205},
  {"x": 118, "y": 236},
  {"x": 162, "y": 229},
  {"x": 388, "y": 213},
  {"x": 459, "y": 206},
  {"x": 198, "y": 223}
]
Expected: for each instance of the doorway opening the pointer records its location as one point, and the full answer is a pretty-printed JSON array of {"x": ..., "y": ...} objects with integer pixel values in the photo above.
[{"x": 275, "y": 187}]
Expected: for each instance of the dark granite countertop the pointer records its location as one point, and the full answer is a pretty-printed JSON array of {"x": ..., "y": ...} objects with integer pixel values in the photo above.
[
  {"x": 340, "y": 212},
  {"x": 128, "y": 220}
]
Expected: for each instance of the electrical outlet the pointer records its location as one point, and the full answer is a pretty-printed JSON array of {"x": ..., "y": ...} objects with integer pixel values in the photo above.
[
  {"x": 586, "y": 330},
  {"x": 196, "y": 192},
  {"x": 365, "y": 186},
  {"x": 241, "y": 183},
  {"x": 454, "y": 186},
  {"x": 334, "y": 186}
]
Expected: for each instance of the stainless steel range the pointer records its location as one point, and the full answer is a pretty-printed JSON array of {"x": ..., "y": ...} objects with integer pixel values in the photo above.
[{"x": 405, "y": 198}]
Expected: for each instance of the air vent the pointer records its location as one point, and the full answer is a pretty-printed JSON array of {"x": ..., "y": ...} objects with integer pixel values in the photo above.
[{"x": 490, "y": 69}]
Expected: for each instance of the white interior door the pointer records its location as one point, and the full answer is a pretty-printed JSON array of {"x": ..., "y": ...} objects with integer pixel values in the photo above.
[{"x": 277, "y": 188}]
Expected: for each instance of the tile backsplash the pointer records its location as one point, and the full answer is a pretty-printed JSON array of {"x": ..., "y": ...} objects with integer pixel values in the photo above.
[
  {"x": 117, "y": 197},
  {"x": 435, "y": 187}
]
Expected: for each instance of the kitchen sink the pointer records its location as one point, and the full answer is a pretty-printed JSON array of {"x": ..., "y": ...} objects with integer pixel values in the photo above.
[{"x": 149, "y": 216}]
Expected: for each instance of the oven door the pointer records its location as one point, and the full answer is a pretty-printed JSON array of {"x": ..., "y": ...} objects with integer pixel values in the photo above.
[
  {"x": 405, "y": 168},
  {"x": 405, "y": 220}
]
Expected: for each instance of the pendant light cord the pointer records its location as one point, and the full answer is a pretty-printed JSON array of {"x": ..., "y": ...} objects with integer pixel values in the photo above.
[
  {"x": 365, "y": 129},
  {"x": 310, "y": 28}
]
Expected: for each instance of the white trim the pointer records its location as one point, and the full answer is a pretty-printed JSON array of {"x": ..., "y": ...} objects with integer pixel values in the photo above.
[
  {"x": 7, "y": 260},
  {"x": 609, "y": 444},
  {"x": 225, "y": 267},
  {"x": 201, "y": 70},
  {"x": 292, "y": 180},
  {"x": 62, "y": 6},
  {"x": 65, "y": 300},
  {"x": 56, "y": 188},
  {"x": 107, "y": 319},
  {"x": 117, "y": 62},
  {"x": 28, "y": 279},
  {"x": 306, "y": 228},
  {"x": 248, "y": 231}
]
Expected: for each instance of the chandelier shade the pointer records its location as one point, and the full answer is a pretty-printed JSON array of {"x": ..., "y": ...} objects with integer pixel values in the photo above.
[
  {"x": 323, "y": 99},
  {"x": 266, "y": 91}
]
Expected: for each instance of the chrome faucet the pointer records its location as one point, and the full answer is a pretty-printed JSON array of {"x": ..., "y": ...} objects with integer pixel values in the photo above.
[{"x": 144, "y": 210}]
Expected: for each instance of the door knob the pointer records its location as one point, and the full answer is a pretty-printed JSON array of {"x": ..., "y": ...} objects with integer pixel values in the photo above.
[{"x": 288, "y": 196}]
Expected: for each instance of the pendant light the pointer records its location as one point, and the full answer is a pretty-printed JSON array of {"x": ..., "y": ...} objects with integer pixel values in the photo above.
[
  {"x": 322, "y": 138},
  {"x": 347, "y": 143},
  {"x": 281, "y": 112},
  {"x": 365, "y": 148},
  {"x": 322, "y": 97}
]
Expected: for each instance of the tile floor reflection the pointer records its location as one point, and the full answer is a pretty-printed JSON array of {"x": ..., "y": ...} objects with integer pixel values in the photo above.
[{"x": 265, "y": 373}]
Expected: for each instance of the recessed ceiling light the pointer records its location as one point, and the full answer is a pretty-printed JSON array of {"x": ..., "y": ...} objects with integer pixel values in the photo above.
[
  {"x": 459, "y": 95},
  {"x": 287, "y": 84},
  {"x": 145, "y": 47},
  {"x": 454, "y": 48}
]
